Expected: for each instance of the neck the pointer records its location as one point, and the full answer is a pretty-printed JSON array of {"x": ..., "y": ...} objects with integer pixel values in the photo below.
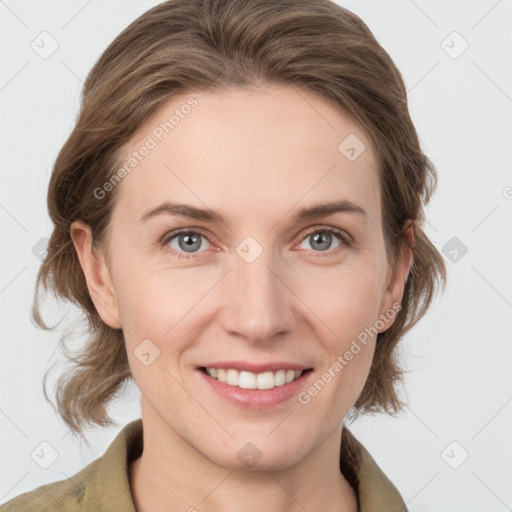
[{"x": 170, "y": 473}]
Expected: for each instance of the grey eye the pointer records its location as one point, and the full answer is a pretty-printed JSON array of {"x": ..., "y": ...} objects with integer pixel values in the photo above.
[
  {"x": 187, "y": 242},
  {"x": 322, "y": 240}
]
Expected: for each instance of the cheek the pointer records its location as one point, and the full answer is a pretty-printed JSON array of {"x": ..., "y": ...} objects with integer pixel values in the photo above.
[
  {"x": 347, "y": 306},
  {"x": 347, "y": 300},
  {"x": 153, "y": 297},
  {"x": 158, "y": 309}
]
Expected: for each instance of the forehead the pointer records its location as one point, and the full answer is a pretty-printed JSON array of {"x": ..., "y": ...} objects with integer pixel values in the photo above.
[{"x": 249, "y": 149}]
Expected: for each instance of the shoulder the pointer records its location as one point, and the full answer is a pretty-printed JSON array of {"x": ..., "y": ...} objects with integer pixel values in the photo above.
[
  {"x": 96, "y": 487},
  {"x": 372, "y": 486},
  {"x": 62, "y": 496}
]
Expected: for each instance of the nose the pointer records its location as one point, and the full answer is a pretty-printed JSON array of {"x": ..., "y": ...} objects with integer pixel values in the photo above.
[{"x": 257, "y": 305}]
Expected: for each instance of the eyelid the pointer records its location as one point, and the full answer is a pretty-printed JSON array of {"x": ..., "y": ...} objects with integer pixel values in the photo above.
[
  {"x": 344, "y": 235},
  {"x": 169, "y": 235}
]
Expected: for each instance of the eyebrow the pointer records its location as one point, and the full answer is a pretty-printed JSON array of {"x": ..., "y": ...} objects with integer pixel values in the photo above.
[{"x": 207, "y": 215}]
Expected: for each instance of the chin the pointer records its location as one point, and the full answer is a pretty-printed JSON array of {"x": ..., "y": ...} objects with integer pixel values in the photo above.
[{"x": 258, "y": 453}]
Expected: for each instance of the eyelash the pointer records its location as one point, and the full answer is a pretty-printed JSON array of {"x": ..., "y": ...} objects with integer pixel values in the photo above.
[{"x": 345, "y": 239}]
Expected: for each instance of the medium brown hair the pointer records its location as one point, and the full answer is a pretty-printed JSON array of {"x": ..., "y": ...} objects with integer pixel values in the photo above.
[{"x": 181, "y": 46}]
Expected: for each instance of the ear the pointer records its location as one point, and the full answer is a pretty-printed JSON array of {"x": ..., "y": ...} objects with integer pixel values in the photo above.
[
  {"x": 397, "y": 278},
  {"x": 96, "y": 274}
]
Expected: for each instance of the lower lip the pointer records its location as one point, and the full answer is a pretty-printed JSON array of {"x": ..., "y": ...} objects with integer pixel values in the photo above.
[{"x": 256, "y": 398}]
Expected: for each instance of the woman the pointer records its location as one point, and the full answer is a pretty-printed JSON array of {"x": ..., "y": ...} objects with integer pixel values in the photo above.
[{"x": 239, "y": 211}]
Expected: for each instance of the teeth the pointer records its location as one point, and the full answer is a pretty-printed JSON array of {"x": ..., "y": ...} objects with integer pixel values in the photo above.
[
  {"x": 280, "y": 378},
  {"x": 232, "y": 377},
  {"x": 249, "y": 380},
  {"x": 266, "y": 380}
]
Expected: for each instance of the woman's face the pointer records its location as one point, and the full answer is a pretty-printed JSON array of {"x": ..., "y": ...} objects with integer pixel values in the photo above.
[{"x": 253, "y": 282}]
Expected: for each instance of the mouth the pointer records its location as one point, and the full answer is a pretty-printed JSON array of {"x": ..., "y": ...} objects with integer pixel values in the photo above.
[
  {"x": 251, "y": 390},
  {"x": 249, "y": 380}
]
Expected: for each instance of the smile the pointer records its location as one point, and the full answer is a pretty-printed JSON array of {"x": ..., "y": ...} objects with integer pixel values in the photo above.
[{"x": 249, "y": 380}]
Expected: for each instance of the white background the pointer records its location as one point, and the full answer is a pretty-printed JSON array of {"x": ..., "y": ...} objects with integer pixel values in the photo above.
[{"x": 458, "y": 387}]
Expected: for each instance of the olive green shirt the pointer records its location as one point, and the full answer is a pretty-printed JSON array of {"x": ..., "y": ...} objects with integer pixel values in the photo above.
[{"x": 104, "y": 484}]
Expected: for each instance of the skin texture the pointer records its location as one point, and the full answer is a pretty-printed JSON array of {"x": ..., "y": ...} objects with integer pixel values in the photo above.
[{"x": 255, "y": 156}]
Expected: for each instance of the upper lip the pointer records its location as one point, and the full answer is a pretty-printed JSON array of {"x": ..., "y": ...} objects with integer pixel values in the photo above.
[{"x": 256, "y": 367}]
